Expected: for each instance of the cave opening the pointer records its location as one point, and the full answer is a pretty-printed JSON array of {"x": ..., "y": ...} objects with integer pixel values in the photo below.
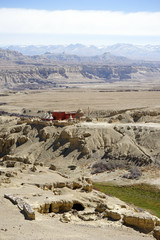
[
  {"x": 50, "y": 208},
  {"x": 78, "y": 206}
]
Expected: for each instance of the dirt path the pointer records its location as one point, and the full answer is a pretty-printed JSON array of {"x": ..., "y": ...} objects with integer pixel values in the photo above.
[{"x": 105, "y": 124}]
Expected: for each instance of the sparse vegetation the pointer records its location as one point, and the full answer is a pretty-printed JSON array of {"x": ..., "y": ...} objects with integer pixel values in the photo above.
[
  {"x": 103, "y": 166},
  {"x": 134, "y": 173},
  {"x": 141, "y": 195}
]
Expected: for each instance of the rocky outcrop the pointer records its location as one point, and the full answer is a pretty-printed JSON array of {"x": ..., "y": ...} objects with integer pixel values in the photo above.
[
  {"x": 39, "y": 72},
  {"x": 83, "y": 184},
  {"x": 5, "y": 145},
  {"x": 115, "y": 144},
  {"x": 156, "y": 232},
  {"x": 101, "y": 207},
  {"x": 114, "y": 215},
  {"x": 26, "y": 129},
  {"x": 29, "y": 212},
  {"x": 140, "y": 221},
  {"x": 66, "y": 200},
  {"x": 66, "y": 217},
  {"x": 16, "y": 159},
  {"x": 16, "y": 129},
  {"x": 56, "y": 206},
  {"x": 61, "y": 206},
  {"x": 21, "y": 140},
  {"x": 52, "y": 167},
  {"x": 22, "y": 205},
  {"x": 112, "y": 144},
  {"x": 88, "y": 216},
  {"x": 10, "y": 164},
  {"x": 44, "y": 134},
  {"x": 74, "y": 140}
]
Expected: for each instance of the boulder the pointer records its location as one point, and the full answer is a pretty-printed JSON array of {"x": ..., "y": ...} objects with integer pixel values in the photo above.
[
  {"x": 10, "y": 164},
  {"x": 66, "y": 217},
  {"x": 140, "y": 221},
  {"x": 12, "y": 198},
  {"x": 74, "y": 185},
  {"x": 87, "y": 216},
  {"x": 157, "y": 220},
  {"x": 60, "y": 185},
  {"x": 101, "y": 207},
  {"x": 33, "y": 169},
  {"x": 156, "y": 232},
  {"x": 29, "y": 212},
  {"x": 8, "y": 142},
  {"x": 20, "y": 202},
  {"x": 16, "y": 159},
  {"x": 26, "y": 129},
  {"x": 22, "y": 205},
  {"x": 85, "y": 150},
  {"x": 114, "y": 215},
  {"x": 21, "y": 140},
  {"x": 87, "y": 187},
  {"x": 44, "y": 134},
  {"x": 9, "y": 174},
  {"x": 16, "y": 129},
  {"x": 52, "y": 167},
  {"x": 88, "y": 180}
]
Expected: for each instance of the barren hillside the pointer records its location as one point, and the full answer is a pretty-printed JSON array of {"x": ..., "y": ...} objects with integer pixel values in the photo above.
[{"x": 19, "y": 72}]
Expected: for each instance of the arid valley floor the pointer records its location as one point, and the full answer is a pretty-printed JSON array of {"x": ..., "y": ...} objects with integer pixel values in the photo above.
[{"x": 47, "y": 170}]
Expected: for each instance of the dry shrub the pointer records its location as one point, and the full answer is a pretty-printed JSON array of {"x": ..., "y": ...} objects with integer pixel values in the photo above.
[
  {"x": 134, "y": 173},
  {"x": 102, "y": 166}
]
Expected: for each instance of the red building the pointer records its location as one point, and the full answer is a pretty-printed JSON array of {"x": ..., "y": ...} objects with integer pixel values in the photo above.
[{"x": 63, "y": 115}]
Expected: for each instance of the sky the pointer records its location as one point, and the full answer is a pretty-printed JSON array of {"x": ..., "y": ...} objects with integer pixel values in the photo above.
[{"x": 89, "y": 22}]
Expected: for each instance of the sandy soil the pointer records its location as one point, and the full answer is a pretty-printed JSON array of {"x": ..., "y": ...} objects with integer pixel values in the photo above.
[{"x": 74, "y": 99}]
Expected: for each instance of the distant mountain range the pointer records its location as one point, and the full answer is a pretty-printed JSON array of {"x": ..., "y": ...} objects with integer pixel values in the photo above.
[
  {"x": 134, "y": 52},
  {"x": 60, "y": 58}
]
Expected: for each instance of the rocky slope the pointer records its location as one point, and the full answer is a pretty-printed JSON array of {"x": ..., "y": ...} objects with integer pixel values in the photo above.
[
  {"x": 122, "y": 139},
  {"x": 36, "y": 77}
]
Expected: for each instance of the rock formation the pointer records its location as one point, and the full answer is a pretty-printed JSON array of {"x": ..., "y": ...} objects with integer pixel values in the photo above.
[
  {"x": 22, "y": 205},
  {"x": 71, "y": 200},
  {"x": 52, "y": 70},
  {"x": 118, "y": 144}
]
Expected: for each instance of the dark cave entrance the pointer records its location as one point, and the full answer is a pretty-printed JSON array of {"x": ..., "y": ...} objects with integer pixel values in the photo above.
[
  {"x": 50, "y": 208},
  {"x": 78, "y": 207}
]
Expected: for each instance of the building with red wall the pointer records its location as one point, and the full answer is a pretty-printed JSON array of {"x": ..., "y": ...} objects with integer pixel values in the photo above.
[{"x": 63, "y": 115}]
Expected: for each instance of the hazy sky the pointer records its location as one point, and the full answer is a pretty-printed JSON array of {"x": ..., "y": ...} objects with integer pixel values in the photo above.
[{"x": 99, "y": 22}]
